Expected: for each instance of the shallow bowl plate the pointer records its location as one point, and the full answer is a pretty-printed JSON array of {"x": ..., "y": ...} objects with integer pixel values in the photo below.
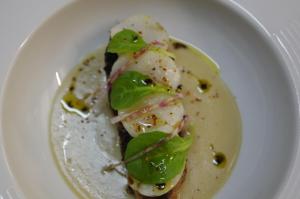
[{"x": 249, "y": 63}]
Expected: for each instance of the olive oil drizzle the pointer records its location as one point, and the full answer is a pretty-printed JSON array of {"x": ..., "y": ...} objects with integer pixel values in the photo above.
[
  {"x": 70, "y": 102},
  {"x": 218, "y": 158},
  {"x": 203, "y": 86}
]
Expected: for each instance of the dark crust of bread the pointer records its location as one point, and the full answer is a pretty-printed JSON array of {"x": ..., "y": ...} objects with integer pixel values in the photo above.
[
  {"x": 124, "y": 138},
  {"x": 110, "y": 58}
]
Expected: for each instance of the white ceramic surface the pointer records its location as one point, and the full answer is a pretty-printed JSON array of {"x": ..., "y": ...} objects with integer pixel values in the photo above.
[{"x": 255, "y": 67}]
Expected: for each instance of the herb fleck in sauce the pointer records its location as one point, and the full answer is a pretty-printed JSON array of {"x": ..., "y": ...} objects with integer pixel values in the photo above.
[{"x": 87, "y": 61}]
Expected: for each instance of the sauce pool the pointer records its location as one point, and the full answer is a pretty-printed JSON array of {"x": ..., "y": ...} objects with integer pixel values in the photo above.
[{"x": 83, "y": 140}]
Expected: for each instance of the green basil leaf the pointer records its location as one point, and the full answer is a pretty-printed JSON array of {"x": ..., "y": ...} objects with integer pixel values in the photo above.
[
  {"x": 161, "y": 164},
  {"x": 130, "y": 88},
  {"x": 126, "y": 41}
]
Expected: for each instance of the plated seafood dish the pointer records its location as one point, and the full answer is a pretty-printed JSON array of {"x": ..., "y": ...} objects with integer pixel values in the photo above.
[{"x": 145, "y": 116}]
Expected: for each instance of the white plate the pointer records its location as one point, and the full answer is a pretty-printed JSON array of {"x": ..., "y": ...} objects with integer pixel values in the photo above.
[{"x": 251, "y": 64}]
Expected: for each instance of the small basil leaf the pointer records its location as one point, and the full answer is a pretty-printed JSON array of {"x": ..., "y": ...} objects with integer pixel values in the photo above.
[
  {"x": 130, "y": 88},
  {"x": 126, "y": 41},
  {"x": 161, "y": 164}
]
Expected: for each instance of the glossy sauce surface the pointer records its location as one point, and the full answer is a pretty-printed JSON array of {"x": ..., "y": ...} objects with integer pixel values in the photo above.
[
  {"x": 215, "y": 117},
  {"x": 84, "y": 141}
]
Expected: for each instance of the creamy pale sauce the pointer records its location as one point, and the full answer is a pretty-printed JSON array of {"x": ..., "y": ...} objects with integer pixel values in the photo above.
[
  {"x": 214, "y": 114},
  {"x": 84, "y": 141}
]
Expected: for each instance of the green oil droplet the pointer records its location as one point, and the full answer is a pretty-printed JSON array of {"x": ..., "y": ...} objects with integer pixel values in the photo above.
[
  {"x": 219, "y": 160},
  {"x": 203, "y": 86}
]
